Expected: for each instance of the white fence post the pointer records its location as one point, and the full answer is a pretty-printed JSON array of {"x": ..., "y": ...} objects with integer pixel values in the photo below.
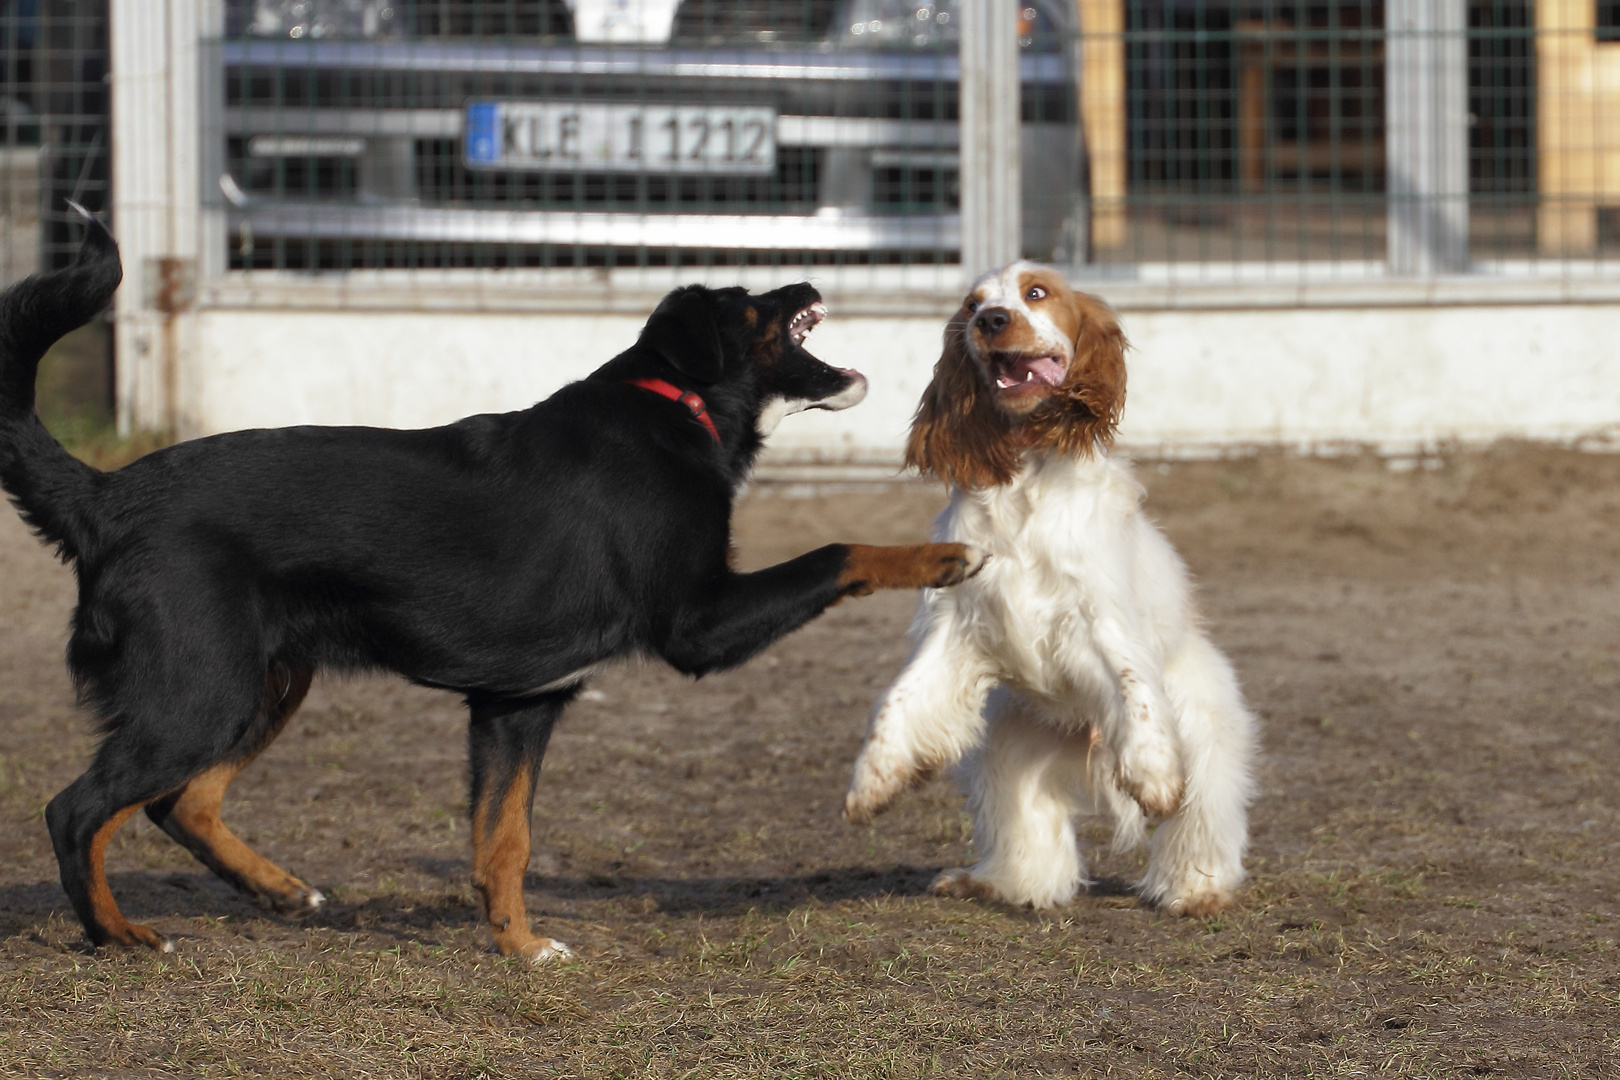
[
  {"x": 990, "y": 125},
  {"x": 1426, "y": 123},
  {"x": 155, "y": 194}
]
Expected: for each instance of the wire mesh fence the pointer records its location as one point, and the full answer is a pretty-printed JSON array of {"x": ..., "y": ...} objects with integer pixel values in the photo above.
[
  {"x": 771, "y": 132},
  {"x": 1261, "y": 133},
  {"x": 54, "y": 139},
  {"x": 1223, "y": 138}
]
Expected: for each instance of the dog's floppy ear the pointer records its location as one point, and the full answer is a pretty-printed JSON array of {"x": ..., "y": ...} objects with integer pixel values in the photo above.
[
  {"x": 958, "y": 433},
  {"x": 683, "y": 331},
  {"x": 1084, "y": 412}
]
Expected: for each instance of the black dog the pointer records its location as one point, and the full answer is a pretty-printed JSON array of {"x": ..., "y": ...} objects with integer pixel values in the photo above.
[{"x": 502, "y": 557}]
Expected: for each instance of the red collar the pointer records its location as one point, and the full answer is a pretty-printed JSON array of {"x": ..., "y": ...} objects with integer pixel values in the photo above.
[{"x": 700, "y": 411}]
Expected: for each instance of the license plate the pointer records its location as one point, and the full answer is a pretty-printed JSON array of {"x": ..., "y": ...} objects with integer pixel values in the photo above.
[{"x": 602, "y": 137}]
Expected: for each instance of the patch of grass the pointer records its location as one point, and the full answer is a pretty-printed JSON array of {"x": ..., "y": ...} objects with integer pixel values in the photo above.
[
  {"x": 74, "y": 397},
  {"x": 729, "y": 925}
]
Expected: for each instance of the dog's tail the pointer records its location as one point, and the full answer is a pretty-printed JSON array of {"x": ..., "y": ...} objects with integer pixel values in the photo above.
[{"x": 50, "y": 487}]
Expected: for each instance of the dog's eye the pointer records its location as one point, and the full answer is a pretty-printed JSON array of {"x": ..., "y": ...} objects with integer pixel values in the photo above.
[
  {"x": 970, "y": 306},
  {"x": 1035, "y": 293}
]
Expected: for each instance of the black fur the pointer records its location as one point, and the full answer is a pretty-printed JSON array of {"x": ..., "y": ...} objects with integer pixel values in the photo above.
[{"x": 498, "y": 557}]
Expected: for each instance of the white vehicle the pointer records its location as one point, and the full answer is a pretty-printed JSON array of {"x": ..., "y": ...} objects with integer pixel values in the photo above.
[{"x": 538, "y": 132}]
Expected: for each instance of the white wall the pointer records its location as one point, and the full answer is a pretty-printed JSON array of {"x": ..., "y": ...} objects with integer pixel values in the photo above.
[{"x": 1397, "y": 378}]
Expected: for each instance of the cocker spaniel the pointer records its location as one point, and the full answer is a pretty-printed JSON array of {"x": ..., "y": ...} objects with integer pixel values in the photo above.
[{"x": 1072, "y": 672}]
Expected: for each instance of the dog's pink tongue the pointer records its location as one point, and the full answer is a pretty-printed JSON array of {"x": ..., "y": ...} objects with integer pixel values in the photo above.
[{"x": 1046, "y": 369}]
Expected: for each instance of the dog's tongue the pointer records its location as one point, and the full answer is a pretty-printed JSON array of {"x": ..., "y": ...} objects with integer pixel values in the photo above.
[{"x": 1030, "y": 369}]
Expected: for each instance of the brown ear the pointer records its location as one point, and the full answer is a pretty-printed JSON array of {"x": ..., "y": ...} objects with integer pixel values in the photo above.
[
  {"x": 1084, "y": 412},
  {"x": 958, "y": 433}
]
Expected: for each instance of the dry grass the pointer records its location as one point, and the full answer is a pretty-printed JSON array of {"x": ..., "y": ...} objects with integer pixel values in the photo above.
[
  {"x": 1434, "y": 656},
  {"x": 75, "y": 401}
]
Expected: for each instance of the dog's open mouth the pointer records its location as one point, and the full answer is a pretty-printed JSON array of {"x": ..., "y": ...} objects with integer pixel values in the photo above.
[
  {"x": 1016, "y": 373},
  {"x": 805, "y": 321}
]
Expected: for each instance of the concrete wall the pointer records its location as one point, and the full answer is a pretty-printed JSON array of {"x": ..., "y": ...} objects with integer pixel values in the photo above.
[{"x": 1399, "y": 378}]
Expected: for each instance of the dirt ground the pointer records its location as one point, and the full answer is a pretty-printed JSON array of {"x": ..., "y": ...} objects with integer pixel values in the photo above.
[{"x": 1434, "y": 655}]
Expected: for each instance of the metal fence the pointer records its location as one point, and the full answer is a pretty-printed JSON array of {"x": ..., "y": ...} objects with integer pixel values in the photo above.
[
  {"x": 532, "y": 134},
  {"x": 1277, "y": 132},
  {"x": 1236, "y": 140},
  {"x": 54, "y": 140}
]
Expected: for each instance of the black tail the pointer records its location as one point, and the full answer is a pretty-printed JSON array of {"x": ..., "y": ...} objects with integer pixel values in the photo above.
[{"x": 49, "y": 486}]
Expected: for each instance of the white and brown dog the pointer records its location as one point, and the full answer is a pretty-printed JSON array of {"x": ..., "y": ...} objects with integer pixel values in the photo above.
[{"x": 1072, "y": 670}]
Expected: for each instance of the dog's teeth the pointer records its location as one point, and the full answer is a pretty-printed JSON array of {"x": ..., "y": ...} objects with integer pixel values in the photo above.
[{"x": 1028, "y": 375}]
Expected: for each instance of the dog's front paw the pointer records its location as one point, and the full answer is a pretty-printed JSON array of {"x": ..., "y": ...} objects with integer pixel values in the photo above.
[
  {"x": 1156, "y": 795},
  {"x": 957, "y": 563},
  {"x": 886, "y": 767},
  {"x": 917, "y": 566},
  {"x": 1148, "y": 769},
  {"x": 870, "y": 793}
]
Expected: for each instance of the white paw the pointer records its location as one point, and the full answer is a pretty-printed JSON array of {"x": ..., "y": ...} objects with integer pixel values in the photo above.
[
  {"x": 1149, "y": 770},
  {"x": 863, "y": 805},
  {"x": 167, "y": 946},
  {"x": 547, "y": 949},
  {"x": 879, "y": 779},
  {"x": 315, "y": 899}
]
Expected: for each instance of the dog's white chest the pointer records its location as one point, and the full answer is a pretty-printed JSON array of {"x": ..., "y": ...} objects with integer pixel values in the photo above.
[{"x": 1034, "y": 608}]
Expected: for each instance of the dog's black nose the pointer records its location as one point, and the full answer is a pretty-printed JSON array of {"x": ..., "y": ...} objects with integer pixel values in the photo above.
[{"x": 992, "y": 321}]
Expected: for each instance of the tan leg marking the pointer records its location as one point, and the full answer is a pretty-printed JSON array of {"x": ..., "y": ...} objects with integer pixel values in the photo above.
[
  {"x": 915, "y": 566},
  {"x": 111, "y": 926},
  {"x": 500, "y": 857},
  {"x": 196, "y": 813}
]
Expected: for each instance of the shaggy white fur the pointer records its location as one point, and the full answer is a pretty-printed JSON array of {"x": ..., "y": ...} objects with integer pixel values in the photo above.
[{"x": 1073, "y": 676}]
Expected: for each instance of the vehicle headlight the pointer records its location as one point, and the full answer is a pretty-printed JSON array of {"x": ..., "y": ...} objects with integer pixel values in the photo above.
[
  {"x": 898, "y": 23},
  {"x": 317, "y": 19},
  {"x": 895, "y": 24}
]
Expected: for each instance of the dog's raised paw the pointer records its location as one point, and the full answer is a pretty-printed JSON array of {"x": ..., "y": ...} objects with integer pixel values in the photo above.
[
  {"x": 955, "y": 563},
  {"x": 866, "y": 800},
  {"x": 1150, "y": 771},
  {"x": 912, "y": 566},
  {"x": 858, "y": 810},
  {"x": 861, "y": 806},
  {"x": 883, "y": 770},
  {"x": 1157, "y": 796}
]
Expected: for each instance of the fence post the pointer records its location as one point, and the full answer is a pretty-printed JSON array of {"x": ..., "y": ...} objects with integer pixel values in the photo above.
[
  {"x": 990, "y": 126},
  {"x": 1102, "y": 110},
  {"x": 1426, "y": 123},
  {"x": 1575, "y": 136},
  {"x": 154, "y": 62}
]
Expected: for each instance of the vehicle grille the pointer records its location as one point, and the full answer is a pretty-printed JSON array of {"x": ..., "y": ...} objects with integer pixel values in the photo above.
[{"x": 736, "y": 22}]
